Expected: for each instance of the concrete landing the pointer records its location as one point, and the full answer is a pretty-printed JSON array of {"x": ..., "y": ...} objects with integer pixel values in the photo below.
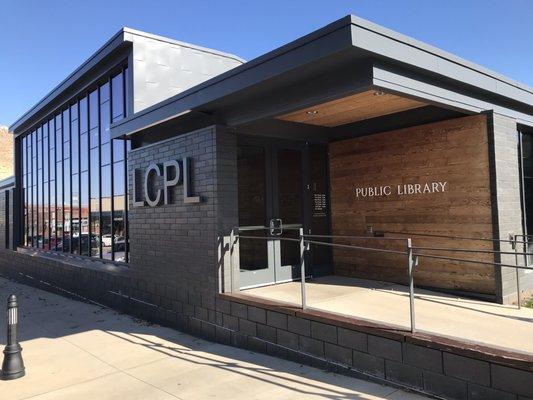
[
  {"x": 74, "y": 350},
  {"x": 476, "y": 321}
]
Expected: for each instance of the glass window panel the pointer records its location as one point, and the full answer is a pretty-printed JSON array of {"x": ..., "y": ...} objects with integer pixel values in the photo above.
[
  {"x": 117, "y": 97},
  {"x": 66, "y": 125},
  {"x": 83, "y": 115},
  {"x": 128, "y": 88},
  {"x": 67, "y": 205},
  {"x": 105, "y": 224},
  {"x": 75, "y": 214},
  {"x": 118, "y": 179},
  {"x": 74, "y": 147},
  {"x": 46, "y": 220},
  {"x": 52, "y": 213},
  {"x": 84, "y": 152},
  {"x": 46, "y": 155},
  {"x": 104, "y": 93},
  {"x": 59, "y": 205},
  {"x": 119, "y": 207},
  {"x": 84, "y": 215},
  {"x": 106, "y": 154},
  {"x": 39, "y": 204},
  {"x": 119, "y": 229},
  {"x": 25, "y": 187},
  {"x": 51, "y": 132},
  {"x": 93, "y": 109},
  {"x": 74, "y": 111},
  {"x": 118, "y": 150},
  {"x": 69, "y": 166},
  {"x": 94, "y": 138},
  {"x": 95, "y": 203},
  {"x": 105, "y": 121}
]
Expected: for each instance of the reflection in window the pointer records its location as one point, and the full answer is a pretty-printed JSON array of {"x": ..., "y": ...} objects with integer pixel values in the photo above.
[{"x": 74, "y": 176}]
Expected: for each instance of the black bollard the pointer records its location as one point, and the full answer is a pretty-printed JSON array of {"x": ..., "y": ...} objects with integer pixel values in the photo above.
[{"x": 13, "y": 366}]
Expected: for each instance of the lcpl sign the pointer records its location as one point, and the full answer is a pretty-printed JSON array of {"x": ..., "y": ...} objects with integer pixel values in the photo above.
[{"x": 174, "y": 172}]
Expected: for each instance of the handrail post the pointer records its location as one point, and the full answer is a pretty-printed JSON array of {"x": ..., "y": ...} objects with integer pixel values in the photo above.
[
  {"x": 515, "y": 245},
  {"x": 410, "y": 267},
  {"x": 302, "y": 268},
  {"x": 231, "y": 261}
]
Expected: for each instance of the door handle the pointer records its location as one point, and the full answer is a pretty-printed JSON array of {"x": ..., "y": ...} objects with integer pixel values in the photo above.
[{"x": 276, "y": 227}]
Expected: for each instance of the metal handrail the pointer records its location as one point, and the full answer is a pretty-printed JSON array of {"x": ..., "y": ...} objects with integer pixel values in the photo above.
[
  {"x": 355, "y": 247},
  {"x": 268, "y": 238},
  {"x": 412, "y": 252},
  {"x": 470, "y": 250},
  {"x": 472, "y": 261},
  {"x": 448, "y": 236},
  {"x": 354, "y": 237}
]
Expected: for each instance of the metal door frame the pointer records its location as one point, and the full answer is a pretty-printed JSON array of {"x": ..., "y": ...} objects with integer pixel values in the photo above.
[{"x": 272, "y": 146}]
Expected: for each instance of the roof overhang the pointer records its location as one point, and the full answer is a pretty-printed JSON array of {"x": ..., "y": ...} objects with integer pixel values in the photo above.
[
  {"x": 72, "y": 83},
  {"x": 345, "y": 57}
]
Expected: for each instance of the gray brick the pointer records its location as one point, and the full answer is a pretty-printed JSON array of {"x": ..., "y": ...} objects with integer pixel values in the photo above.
[
  {"x": 338, "y": 354},
  {"x": 239, "y": 310},
  {"x": 298, "y": 325},
  {"x": 257, "y": 314},
  {"x": 230, "y": 322},
  {"x": 354, "y": 340},
  {"x": 324, "y": 332},
  {"x": 368, "y": 363},
  {"x": 266, "y": 332},
  {"x": 386, "y": 348},
  {"x": 287, "y": 339},
  {"x": 512, "y": 380},
  {"x": 247, "y": 327},
  {"x": 445, "y": 386},
  {"x": 477, "y": 392},
  {"x": 402, "y": 373},
  {"x": 277, "y": 320},
  {"x": 312, "y": 346},
  {"x": 467, "y": 369},
  {"x": 422, "y": 357}
]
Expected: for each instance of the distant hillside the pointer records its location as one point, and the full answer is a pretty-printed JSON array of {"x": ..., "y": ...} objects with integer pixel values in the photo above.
[{"x": 6, "y": 153}]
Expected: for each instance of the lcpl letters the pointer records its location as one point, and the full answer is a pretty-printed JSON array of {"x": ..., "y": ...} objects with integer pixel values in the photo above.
[
  {"x": 402, "y": 190},
  {"x": 180, "y": 176}
]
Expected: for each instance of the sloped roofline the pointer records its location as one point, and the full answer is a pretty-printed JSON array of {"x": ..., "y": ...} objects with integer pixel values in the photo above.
[{"x": 115, "y": 42}]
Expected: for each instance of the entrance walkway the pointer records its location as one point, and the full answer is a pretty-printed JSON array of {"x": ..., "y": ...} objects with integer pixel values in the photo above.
[
  {"x": 74, "y": 350},
  {"x": 477, "y": 321}
]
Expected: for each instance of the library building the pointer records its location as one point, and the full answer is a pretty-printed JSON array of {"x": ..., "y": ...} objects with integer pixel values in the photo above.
[{"x": 355, "y": 200}]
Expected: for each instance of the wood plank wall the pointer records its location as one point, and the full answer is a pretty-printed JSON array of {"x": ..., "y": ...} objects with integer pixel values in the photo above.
[{"x": 453, "y": 151}]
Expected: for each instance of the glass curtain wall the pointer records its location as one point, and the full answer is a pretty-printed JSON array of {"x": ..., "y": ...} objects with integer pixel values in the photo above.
[{"x": 75, "y": 176}]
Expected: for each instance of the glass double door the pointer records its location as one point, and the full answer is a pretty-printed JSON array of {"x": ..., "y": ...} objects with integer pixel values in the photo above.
[{"x": 270, "y": 194}]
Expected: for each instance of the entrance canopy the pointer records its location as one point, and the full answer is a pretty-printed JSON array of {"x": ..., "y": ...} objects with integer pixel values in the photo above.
[{"x": 345, "y": 58}]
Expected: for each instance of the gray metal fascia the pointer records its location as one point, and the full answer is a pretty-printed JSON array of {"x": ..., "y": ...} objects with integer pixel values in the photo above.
[
  {"x": 322, "y": 43},
  {"x": 179, "y": 43},
  {"x": 387, "y": 78},
  {"x": 387, "y": 43},
  {"x": 112, "y": 44}
]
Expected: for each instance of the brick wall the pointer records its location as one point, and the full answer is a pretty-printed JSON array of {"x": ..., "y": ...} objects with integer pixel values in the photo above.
[
  {"x": 433, "y": 365},
  {"x": 173, "y": 275},
  {"x": 507, "y": 217}
]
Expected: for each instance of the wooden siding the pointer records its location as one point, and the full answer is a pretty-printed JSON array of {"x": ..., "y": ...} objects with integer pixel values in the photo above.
[
  {"x": 454, "y": 151},
  {"x": 357, "y": 107}
]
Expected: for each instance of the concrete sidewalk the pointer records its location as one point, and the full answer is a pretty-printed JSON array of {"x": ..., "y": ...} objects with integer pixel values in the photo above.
[{"x": 74, "y": 350}]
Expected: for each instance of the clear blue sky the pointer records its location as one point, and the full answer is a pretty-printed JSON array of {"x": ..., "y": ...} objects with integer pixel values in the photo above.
[{"x": 41, "y": 42}]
